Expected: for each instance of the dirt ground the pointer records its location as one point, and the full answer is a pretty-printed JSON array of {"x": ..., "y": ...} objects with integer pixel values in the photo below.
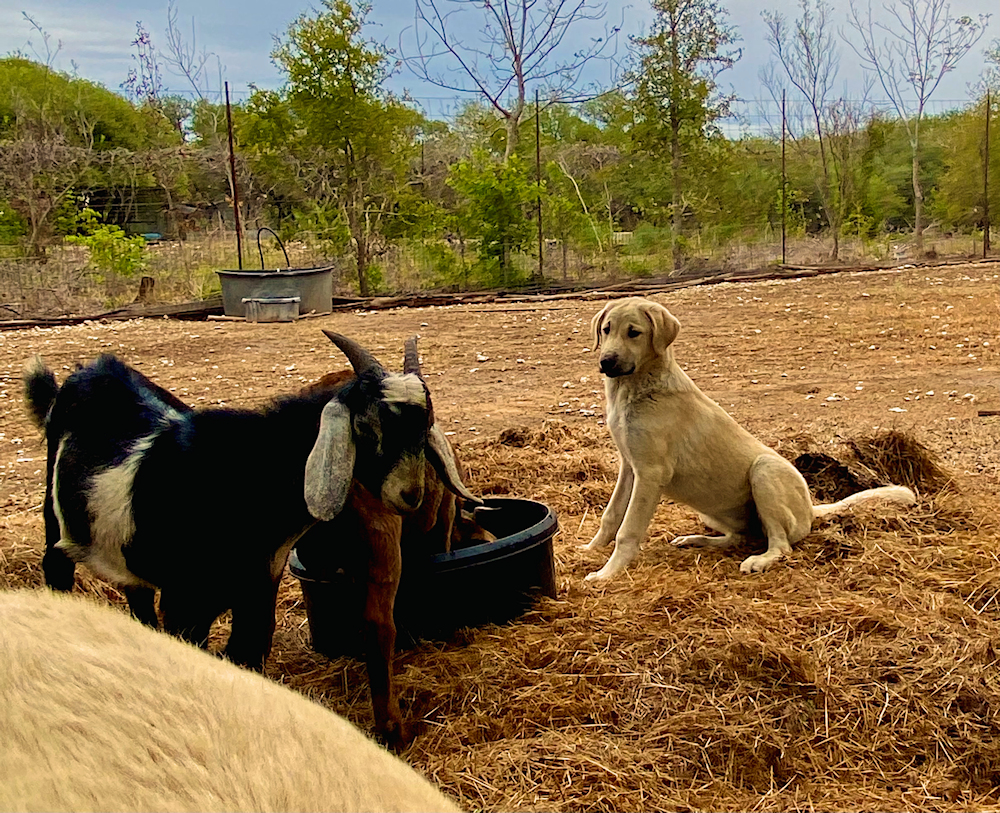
[{"x": 859, "y": 674}]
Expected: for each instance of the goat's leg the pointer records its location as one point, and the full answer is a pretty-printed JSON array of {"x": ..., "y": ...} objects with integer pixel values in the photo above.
[
  {"x": 187, "y": 616},
  {"x": 59, "y": 570},
  {"x": 384, "y": 569},
  {"x": 253, "y": 623},
  {"x": 142, "y": 603}
]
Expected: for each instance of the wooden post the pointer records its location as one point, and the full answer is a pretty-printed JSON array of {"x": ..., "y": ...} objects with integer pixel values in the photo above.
[
  {"x": 232, "y": 178},
  {"x": 538, "y": 181},
  {"x": 986, "y": 181},
  {"x": 784, "y": 183}
]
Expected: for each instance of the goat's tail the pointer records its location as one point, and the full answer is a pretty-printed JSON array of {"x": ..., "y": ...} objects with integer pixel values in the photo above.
[
  {"x": 900, "y": 494},
  {"x": 40, "y": 389}
]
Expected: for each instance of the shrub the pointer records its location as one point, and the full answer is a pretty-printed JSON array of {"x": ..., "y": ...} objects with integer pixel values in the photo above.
[{"x": 113, "y": 254}]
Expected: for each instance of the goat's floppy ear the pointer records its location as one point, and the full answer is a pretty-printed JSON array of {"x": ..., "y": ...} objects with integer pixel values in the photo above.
[
  {"x": 443, "y": 460},
  {"x": 330, "y": 466},
  {"x": 595, "y": 325},
  {"x": 664, "y": 324}
]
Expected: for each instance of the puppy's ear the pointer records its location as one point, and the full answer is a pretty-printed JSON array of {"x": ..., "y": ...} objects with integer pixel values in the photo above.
[
  {"x": 664, "y": 324},
  {"x": 595, "y": 325}
]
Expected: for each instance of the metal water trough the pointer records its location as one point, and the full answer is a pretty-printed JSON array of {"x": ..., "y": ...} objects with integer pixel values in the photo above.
[{"x": 257, "y": 295}]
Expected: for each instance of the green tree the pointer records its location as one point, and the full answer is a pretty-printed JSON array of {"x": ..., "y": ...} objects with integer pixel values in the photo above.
[
  {"x": 676, "y": 95},
  {"x": 60, "y": 135},
  {"x": 910, "y": 55},
  {"x": 350, "y": 139},
  {"x": 959, "y": 201},
  {"x": 496, "y": 199}
]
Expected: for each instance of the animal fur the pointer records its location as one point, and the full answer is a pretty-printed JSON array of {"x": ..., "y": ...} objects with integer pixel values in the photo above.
[
  {"x": 675, "y": 441},
  {"x": 101, "y": 713}
]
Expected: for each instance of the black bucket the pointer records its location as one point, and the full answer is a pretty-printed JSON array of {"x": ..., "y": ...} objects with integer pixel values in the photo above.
[{"x": 492, "y": 582}]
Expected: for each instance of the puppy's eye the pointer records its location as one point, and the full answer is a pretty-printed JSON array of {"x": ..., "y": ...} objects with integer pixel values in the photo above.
[
  {"x": 606, "y": 329},
  {"x": 633, "y": 333}
]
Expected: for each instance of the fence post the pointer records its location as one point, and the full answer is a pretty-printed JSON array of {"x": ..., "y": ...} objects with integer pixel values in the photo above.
[
  {"x": 538, "y": 181},
  {"x": 784, "y": 182},
  {"x": 232, "y": 175},
  {"x": 986, "y": 180}
]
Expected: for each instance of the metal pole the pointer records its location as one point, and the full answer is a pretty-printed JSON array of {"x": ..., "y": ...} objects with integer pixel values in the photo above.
[
  {"x": 784, "y": 182},
  {"x": 538, "y": 181},
  {"x": 986, "y": 181},
  {"x": 232, "y": 177}
]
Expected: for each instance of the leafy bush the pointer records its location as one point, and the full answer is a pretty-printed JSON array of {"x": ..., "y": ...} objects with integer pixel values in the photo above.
[
  {"x": 497, "y": 199},
  {"x": 12, "y": 225},
  {"x": 112, "y": 252}
]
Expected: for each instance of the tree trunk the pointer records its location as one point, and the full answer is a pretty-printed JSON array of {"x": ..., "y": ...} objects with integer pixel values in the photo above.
[
  {"x": 918, "y": 205},
  {"x": 356, "y": 227},
  {"x": 565, "y": 260},
  {"x": 362, "y": 255},
  {"x": 677, "y": 194}
]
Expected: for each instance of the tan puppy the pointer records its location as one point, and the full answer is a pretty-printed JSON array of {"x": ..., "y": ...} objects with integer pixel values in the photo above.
[{"x": 677, "y": 442}]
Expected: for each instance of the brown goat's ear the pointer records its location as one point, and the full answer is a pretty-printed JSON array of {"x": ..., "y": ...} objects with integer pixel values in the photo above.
[
  {"x": 330, "y": 466},
  {"x": 595, "y": 325},
  {"x": 664, "y": 324},
  {"x": 442, "y": 458}
]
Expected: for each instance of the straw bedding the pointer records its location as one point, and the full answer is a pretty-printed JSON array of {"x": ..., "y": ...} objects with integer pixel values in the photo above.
[{"x": 860, "y": 675}]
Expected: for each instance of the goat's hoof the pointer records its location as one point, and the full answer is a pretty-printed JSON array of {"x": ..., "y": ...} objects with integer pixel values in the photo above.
[{"x": 395, "y": 736}]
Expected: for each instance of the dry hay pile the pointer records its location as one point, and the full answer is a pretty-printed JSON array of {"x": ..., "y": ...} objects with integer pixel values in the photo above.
[{"x": 860, "y": 675}]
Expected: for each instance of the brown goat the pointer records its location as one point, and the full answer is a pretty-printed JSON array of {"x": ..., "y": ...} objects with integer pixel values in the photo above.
[{"x": 434, "y": 527}]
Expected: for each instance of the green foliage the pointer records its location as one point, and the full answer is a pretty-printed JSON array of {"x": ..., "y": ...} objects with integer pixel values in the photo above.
[
  {"x": 496, "y": 200},
  {"x": 13, "y": 227},
  {"x": 324, "y": 222},
  {"x": 37, "y": 99},
  {"x": 958, "y": 200},
  {"x": 414, "y": 216},
  {"x": 73, "y": 217},
  {"x": 333, "y": 135},
  {"x": 112, "y": 252}
]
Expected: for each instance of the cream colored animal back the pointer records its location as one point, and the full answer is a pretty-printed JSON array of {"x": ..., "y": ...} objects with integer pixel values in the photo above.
[{"x": 101, "y": 713}]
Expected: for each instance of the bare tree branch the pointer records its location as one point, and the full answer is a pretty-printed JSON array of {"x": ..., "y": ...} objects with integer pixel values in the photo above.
[
  {"x": 519, "y": 45},
  {"x": 910, "y": 57}
]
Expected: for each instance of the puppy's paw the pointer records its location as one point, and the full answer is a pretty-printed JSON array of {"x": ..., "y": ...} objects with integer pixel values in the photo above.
[
  {"x": 713, "y": 542},
  {"x": 601, "y": 575},
  {"x": 760, "y": 563}
]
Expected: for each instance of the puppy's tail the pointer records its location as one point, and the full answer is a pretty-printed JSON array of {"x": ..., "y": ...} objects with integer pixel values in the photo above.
[
  {"x": 900, "y": 494},
  {"x": 40, "y": 389}
]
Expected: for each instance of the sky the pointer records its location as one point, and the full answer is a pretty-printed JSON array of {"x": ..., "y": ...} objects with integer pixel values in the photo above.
[{"x": 96, "y": 37}]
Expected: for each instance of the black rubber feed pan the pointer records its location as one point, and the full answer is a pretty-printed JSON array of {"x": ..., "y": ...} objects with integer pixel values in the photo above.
[{"x": 484, "y": 583}]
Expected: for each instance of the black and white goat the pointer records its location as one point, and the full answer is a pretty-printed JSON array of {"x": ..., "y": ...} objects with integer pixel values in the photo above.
[{"x": 206, "y": 504}]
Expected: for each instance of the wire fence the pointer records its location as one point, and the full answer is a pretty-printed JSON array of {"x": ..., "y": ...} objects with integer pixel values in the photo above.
[{"x": 616, "y": 242}]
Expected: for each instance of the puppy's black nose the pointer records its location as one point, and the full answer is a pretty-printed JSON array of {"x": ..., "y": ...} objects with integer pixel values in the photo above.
[{"x": 609, "y": 364}]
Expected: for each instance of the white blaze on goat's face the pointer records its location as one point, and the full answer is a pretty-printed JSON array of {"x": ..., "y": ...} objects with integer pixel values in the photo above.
[
  {"x": 404, "y": 389},
  {"x": 405, "y": 405},
  {"x": 112, "y": 524}
]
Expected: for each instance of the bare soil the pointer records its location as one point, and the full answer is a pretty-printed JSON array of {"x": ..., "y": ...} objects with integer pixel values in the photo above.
[{"x": 859, "y": 674}]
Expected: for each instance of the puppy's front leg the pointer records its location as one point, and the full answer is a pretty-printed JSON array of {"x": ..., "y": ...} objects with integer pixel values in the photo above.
[
  {"x": 611, "y": 519},
  {"x": 645, "y": 495}
]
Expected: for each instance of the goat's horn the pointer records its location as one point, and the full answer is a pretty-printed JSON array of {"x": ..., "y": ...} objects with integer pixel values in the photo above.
[
  {"x": 411, "y": 358},
  {"x": 361, "y": 360}
]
